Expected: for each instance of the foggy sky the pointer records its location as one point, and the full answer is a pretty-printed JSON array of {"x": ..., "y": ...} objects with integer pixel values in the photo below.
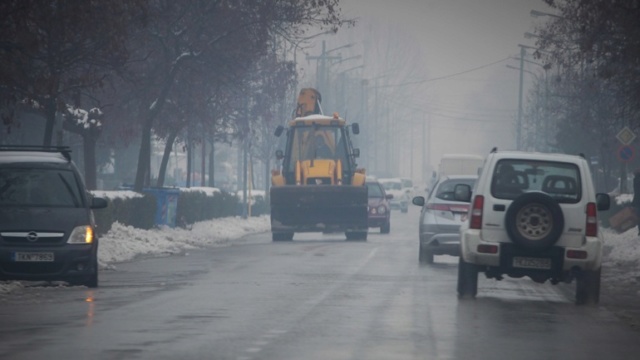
[{"x": 470, "y": 112}]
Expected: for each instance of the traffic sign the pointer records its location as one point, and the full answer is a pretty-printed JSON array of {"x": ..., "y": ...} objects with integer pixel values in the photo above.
[
  {"x": 626, "y": 136},
  {"x": 626, "y": 153}
]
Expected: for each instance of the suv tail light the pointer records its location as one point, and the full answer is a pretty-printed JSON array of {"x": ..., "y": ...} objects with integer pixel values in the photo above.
[
  {"x": 592, "y": 220},
  {"x": 476, "y": 212}
]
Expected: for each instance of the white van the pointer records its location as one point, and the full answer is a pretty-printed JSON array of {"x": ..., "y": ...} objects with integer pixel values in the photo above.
[{"x": 460, "y": 164}]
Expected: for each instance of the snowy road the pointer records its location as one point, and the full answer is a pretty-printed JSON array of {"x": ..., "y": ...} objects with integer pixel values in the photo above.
[{"x": 318, "y": 297}]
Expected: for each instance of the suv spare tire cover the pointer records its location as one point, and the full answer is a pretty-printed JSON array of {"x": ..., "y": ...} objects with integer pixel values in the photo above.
[{"x": 534, "y": 221}]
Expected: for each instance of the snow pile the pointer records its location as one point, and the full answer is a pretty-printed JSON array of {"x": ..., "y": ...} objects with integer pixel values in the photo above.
[{"x": 125, "y": 243}]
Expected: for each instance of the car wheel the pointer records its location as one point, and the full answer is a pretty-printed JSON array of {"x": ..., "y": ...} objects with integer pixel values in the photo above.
[
  {"x": 356, "y": 235},
  {"x": 92, "y": 282},
  {"x": 287, "y": 236},
  {"x": 588, "y": 287},
  {"x": 534, "y": 221},
  {"x": 467, "y": 279},
  {"x": 429, "y": 255},
  {"x": 425, "y": 256},
  {"x": 386, "y": 227}
]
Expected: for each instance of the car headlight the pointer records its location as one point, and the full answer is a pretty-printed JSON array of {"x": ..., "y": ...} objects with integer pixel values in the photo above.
[
  {"x": 382, "y": 209},
  {"x": 81, "y": 235}
]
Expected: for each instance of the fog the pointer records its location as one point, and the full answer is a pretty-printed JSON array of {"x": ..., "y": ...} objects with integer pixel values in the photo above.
[{"x": 440, "y": 62}]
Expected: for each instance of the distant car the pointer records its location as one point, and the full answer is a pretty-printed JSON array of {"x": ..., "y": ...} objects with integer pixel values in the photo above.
[
  {"x": 407, "y": 186},
  {"x": 394, "y": 187},
  {"x": 379, "y": 209},
  {"x": 441, "y": 217}
]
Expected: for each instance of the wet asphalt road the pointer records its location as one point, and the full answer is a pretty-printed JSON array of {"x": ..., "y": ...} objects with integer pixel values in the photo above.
[{"x": 318, "y": 297}]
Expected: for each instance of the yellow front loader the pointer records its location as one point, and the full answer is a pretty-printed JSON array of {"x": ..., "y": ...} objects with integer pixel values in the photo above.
[{"x": 318, "y": 187}]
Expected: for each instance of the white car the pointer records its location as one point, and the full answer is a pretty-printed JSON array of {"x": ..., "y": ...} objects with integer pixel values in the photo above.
[
  {"x": 440, "y": 218},
  {"x": 535, "y": 215},
  {"x": 401, "y": 195}
]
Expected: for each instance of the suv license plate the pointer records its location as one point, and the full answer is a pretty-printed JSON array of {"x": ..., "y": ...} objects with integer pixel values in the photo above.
[
  {"x": 33, "y": 257},
  {"x": 532, "y": 263}
]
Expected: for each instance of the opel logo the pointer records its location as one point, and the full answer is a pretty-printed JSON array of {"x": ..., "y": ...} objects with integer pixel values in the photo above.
[{"x": 32, "y": 236}]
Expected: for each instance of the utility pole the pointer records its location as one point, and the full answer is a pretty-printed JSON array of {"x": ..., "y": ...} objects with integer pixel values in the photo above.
[
  {"x": 519, "y": 125},
  {"x": 322, "y": 77},
  {"x": 424, "y": 151}
]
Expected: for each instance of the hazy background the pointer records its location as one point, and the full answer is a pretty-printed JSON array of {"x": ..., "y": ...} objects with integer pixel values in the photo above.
[{"x": 444, "y": 62}]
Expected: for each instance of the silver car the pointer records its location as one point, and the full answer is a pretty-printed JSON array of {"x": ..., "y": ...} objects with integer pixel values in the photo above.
[{"x": 440, "y": 218}]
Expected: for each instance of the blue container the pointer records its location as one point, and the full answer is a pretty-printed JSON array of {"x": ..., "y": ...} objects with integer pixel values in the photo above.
[{"x": 166, "y": 205}]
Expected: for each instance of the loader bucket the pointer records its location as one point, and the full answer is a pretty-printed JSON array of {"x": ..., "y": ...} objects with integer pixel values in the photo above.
[{"x": 317, "y": 208}]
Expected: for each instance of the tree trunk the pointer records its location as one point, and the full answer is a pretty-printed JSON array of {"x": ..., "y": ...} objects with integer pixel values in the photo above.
[
  {"x": 50, "y": 118},
  {"x": 267, "y": 176},
  {"x": 189, "y": 167},
  {"x": 144, "y": 156},
  {"x": 203, "y": 173},
  {"x": 89, "y": 146},
  {"x": 89, "y": 139},
  {"x": 212, "y": 182},
  {"x": 168, "y": 147}
]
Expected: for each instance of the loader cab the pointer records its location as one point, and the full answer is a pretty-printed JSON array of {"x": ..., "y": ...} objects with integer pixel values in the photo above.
[{"x": 318, "y": 137}]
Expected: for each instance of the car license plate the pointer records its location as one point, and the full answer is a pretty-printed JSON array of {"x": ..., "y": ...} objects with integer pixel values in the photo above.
[
  {"x": 33, "y": 257},
  {"x": 532, "y": 263}
]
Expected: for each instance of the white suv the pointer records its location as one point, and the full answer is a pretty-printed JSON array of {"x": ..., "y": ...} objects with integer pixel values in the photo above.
[{"x": 534, "y": 215}]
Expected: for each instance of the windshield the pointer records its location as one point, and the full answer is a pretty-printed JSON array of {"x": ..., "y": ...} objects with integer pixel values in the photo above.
[
  {"x": 39, "y": 187},
  {"x": 374, "y": 190},
  {"x": 318, "y": 142}
]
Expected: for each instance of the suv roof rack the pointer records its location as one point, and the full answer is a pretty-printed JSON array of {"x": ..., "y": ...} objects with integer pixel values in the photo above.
[{"x": 64, "y": 150}]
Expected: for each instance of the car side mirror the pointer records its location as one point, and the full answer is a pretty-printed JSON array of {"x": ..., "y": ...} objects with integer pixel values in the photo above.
[
  {"x": 98, "y": 203},
  {"x": 355, "y": 152},
  {"x": 603, "y": 201},
  {"x": 388, "y": 196},
  {"x": 356, "y": 128},
  {"x": 418, "y": 200},
  {"x": 278, "y": 131},
  {"x": 462, "y": 192},
  {"x": 279, "y": 154}
]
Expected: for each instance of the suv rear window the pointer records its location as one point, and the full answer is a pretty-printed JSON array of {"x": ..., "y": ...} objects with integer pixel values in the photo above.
[
  {"x": 39, "y": 187},
  {"x": 559, "y": 180}
]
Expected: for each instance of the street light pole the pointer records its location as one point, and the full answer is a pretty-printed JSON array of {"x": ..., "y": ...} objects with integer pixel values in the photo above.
[{"x": 519, "y": 121}]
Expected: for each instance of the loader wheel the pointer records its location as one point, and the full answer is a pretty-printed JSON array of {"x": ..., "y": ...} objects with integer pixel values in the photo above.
[
  {"x": 356, "y": 235},
  {"x": 287, "y": 236}
]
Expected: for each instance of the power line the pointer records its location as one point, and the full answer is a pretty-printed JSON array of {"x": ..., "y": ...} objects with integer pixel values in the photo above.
[{"x": 422, "y": 81}]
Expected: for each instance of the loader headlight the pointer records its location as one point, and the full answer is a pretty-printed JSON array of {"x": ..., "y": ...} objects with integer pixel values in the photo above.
[{"x": 382, "y": 209}]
